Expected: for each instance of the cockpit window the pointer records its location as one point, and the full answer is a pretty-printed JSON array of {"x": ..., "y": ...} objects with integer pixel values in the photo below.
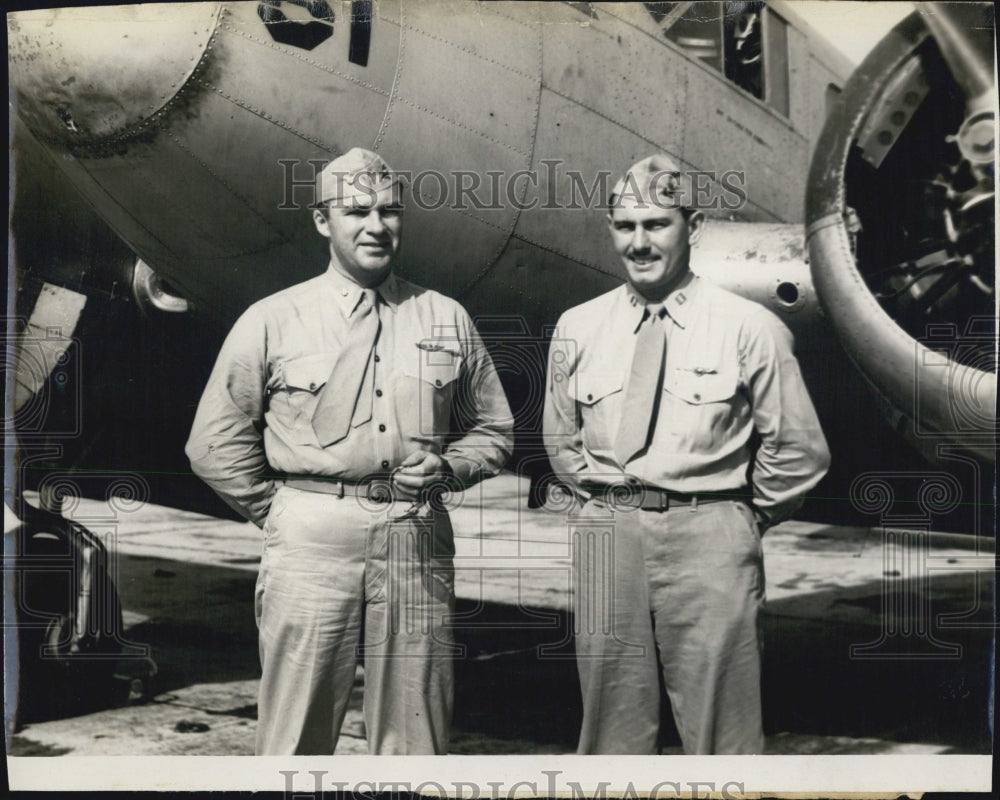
[
  {"x": 745, "y": 41},
  {"x": 744, "y": 51},
  {"x": 694, "y": 27}
]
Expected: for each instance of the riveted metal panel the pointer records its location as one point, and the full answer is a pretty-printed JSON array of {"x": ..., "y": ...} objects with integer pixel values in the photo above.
[
  {"x": 445, "y": 245},
  {"x": 465, "y": 100},
  {"x": 315, "y": 93},
  {"x": 512, "y": 286},
  {"x": 564, "y": 218},
  {"x": 450, "y": 68},
  {"x": 85, "y": 75},
  {"x": 493, "y": 32},
  {"x": 815, "y": 93},
  {"x": 805, "y": 86},
  {"x": 629, "y": 78},
  {"x": 180, "y": 199},
  {"x": 727, "y": 130},
  {"x": 167, "y": 198},
  {"x": 264, "y": 201}
]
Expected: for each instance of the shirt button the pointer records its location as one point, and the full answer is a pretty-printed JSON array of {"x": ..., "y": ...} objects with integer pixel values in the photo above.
[
  {"x": 381, "y": 428},
  {"x": 437, "y": 382},
  {"x": 312, "y": 387},
  {"x": 590, "y": 397},
  {"x": 697, "y": 397},
  {"x": 378, "y": 392},
  {"x": 385, "y": 465},
  {"x": 377, "y": 359}
]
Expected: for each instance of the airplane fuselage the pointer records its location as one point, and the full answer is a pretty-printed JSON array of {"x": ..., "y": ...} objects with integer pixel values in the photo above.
[{"x": 195, "y": 133}]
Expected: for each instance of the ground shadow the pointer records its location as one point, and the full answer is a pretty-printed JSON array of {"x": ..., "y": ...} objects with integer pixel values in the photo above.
[
  {"x": 925, "y": 678},
  {"x": 516, "y": 676}
]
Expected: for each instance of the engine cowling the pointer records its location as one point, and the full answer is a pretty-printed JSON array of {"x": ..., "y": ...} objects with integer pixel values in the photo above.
[{"x": 900, "y": 215}]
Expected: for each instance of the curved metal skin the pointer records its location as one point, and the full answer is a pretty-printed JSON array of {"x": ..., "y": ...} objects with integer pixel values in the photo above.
[
  {"x": 200, "y": 154},
  {"x": 779, "y": 278},
  {"x": 196, "y": 139},
  {"x": 149, "y": 291},
  {"x": 943, "y": 400}
]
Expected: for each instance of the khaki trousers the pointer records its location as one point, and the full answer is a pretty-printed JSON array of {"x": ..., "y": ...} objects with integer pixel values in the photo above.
[
  {"x": 335, "y": 570},
  {"x": 680, "y": 588}
]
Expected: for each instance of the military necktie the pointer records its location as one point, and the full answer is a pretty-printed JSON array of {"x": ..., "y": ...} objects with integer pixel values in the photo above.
[
  {"x": 644, "y": 386},
  {"x": 347, "y": 397}
]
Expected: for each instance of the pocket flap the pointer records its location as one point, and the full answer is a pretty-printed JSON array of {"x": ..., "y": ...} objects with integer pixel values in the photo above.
[
  {"x": 308, "y": 373},
  {"x": 697, "y": 385},
  {"x": 588, "y": 388},
  {"x": 438, "y": 368}
]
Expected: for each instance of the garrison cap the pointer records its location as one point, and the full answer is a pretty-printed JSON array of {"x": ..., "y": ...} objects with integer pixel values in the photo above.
[
  {"x": 358, "y": 175},
  {"x": 656, "y": 179}
]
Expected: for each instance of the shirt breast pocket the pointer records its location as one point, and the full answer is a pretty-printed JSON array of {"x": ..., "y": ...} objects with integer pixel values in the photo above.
[
  {"x": 429, "y": 385},
  {"x": 699, "y": 404},
  {"x": 294, "y": 392},
  {"x": 598, "y": 395}
]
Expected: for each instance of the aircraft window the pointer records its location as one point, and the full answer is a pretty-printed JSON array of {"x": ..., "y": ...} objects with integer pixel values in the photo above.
[
  {"x": 285, "y": 30},
  {"x": 361, "y": 32},
  {"x": 743, "y": 40},
  {"x": 694, "y": 27},
  {"x": 744, "y": 56}
]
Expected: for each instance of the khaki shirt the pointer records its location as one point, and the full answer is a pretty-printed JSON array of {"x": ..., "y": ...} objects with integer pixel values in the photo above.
[
  {"x": 729, "y": 373},
  {"x": 255, "y": 416}
]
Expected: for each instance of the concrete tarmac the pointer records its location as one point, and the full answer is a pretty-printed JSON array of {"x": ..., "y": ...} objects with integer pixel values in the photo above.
[{"x": 875, "y": 641}]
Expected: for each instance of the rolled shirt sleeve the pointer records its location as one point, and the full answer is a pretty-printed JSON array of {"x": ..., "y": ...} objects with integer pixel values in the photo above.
[
  {"x": 793, "y": 455},
  {"x": 482, "y": 414},
  {"x": 225, "y": 446},
  {"x": 561, "y": 424}
]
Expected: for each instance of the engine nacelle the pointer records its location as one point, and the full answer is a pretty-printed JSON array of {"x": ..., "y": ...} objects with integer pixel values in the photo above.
[{"x": 900, "y": 227}]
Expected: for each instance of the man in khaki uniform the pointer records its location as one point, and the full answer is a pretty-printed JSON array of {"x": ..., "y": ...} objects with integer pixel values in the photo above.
[
  {"x": 676, "y": 412},
  {"x": 324, "y": 422}
]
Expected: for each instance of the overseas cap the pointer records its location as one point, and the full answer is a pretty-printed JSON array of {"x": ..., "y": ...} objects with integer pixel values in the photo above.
[
  {"x": 357, "y": 176},
  {"x": 656, "y": 179}
]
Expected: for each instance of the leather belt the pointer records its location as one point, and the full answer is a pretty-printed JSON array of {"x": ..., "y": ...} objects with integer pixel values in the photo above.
[
  {"x": 633, "y": 496},
  {"x": 378, "y": 490}
]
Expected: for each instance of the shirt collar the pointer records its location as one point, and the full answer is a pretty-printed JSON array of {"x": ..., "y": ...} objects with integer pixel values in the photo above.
[
  {"x": 680, "y": 302},
  {"x": 389, "y": 290},
  {"x": 677, "y": 304},
  {"x": 633, "y": 307},
  {"x": 348, "y": 293}
]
